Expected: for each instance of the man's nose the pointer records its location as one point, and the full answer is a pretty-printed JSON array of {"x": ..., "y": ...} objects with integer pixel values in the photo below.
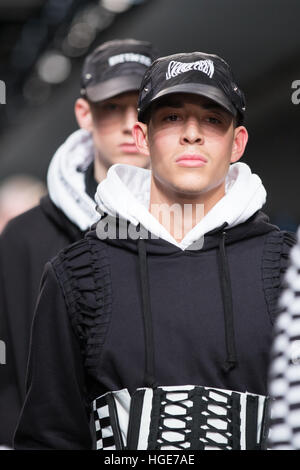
[
  {"x": 130, "y": 118},
  {"x": 192, "y": 133}
]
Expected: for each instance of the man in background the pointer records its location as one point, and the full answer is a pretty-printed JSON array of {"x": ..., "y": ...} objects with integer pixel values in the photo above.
[{"x": 106, "y": 113}]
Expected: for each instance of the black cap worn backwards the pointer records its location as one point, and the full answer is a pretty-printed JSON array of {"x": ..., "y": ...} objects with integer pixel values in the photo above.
[
  {"x": 196, "y": 72},
  {"x": 115, "y": 67}
]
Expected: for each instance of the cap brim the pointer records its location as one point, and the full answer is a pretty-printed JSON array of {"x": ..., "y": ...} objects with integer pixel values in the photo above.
[
  {"x": 113, "y": 87},
  {"x": 208, "y": 91}
]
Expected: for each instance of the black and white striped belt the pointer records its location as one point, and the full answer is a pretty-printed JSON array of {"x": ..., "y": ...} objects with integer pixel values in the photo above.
[{"x": 184, "y": 417}]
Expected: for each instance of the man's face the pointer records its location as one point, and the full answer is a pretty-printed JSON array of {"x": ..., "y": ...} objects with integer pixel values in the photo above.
[
  {"x": 112, "y": 122},
  {"x": 191, "y": 141}
]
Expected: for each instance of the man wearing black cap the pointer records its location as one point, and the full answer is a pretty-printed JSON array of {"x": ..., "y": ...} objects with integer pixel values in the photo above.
[
  {"x": 165, "y": 311},
  {"x": 106, "y": 112}
]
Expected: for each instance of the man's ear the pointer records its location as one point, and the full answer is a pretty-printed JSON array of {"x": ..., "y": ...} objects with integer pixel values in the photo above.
[
  {"x": 239, "y": 143},
  {"x": 140, "y": 135},
  {"x": 83, "y": 114}
]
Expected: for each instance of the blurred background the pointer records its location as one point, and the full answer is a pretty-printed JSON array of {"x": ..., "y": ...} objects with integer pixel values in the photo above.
[{"x": 43, "y": 44}]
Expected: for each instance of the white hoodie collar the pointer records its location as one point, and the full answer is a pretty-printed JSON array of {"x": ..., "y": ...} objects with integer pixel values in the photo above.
[
  {"x": 126, "y": 191},
  {"x": 65, "y": 179}
]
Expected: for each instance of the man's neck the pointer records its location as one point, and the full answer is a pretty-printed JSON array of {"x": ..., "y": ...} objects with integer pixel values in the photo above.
[
  {"x": 100, "y": 171},
  {"x": 179, "y": 213}
]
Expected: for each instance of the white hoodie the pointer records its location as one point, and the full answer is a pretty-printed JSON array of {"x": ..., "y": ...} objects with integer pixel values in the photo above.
[
  {"x": 126, "y": 191},
  {"x": 65, "y": 179}
]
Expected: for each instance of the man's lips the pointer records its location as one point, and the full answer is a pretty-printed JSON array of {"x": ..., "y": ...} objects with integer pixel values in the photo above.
[
  {"x": 128, "y": 148},
  {"x": 191, "y": 160}
]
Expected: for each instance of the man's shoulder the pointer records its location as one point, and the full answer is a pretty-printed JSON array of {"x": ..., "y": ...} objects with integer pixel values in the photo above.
[
  {"x": 82, "y": 256},
  {"x": 276, "y": 251},
  {"x": 259, "y": 228},
  {"x": 42, "y": 227},
  {"x": 24, "y": 230},
  {"x": 281, "y": 240},
  {"x": 25, "y": 221},
  {"x": 82, "y": 271}
]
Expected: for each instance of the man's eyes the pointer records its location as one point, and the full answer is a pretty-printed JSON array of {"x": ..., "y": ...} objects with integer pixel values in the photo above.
[
  {"x": 179, "y": 117},
  {"x": 214, "y": 120},
  {"x": 171, "y": 117},
  {"x": 110, "y": 106}
]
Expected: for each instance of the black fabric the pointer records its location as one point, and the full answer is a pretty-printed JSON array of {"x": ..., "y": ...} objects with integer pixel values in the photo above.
[
  {"x": 277, "y": 247},
  {"x": 134, "y": 424},
  {"x": 251, "y": 422},
  {"x": 225, "y": 284},
  {"x": 199, "y": 407},
  {"x": 115, "y": 67},
  {"x": 236, "y": 421},
  {"x": 157, "y": 412},
  {"x": 231, "y": 360},
  {"x": 26, "y": 244},
  {"x": 90, "y": 182},
  {"x": 99, "y": 287},
  {"x": 115, "y": 422},
  {"x": 264, "y": 433},
  {"x": 68, "y": 411},
  {"x": 149, "y": 380},
  {"x": 85, "y": 280}
]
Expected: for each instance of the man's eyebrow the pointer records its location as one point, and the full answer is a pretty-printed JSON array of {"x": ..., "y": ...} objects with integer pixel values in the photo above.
[
  {"x": 168, "y": 103},
  {"x": 179, "y": 103},
  {"x": 212, "y": 105}
]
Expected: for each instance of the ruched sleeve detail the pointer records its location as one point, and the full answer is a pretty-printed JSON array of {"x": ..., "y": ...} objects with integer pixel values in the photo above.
[
  {"x": 83, "y": 271},
  {"x": 274, "y": 265}
]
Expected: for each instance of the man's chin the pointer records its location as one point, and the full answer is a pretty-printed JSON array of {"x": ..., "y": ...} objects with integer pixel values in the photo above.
[{"x": 188, "y": 188}]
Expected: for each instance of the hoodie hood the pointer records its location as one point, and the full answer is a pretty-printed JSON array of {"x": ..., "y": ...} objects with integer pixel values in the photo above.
[
  {"x": 126, "y": 192},
  {"x": 66, "y": 183}
]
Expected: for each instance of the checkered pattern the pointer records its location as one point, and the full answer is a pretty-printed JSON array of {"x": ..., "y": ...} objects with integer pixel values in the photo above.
[
  {"x": 104, "y": 433},
  {"x": 285, "y": 366}
]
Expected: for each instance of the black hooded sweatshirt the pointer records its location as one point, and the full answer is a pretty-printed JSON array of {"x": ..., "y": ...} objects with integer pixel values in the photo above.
[
  {"x": 26, "y": 244},
  {"x": 118, "y": 314}
]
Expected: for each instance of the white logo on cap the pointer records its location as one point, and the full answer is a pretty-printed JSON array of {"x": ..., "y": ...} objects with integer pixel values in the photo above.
[
  {"x": 129, "y": 57},
  {"x": 176, "y": 68}
]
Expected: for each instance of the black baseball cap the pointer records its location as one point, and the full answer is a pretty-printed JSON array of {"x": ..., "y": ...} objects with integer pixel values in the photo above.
[
  {"x": 115, "y": 67},
  {"x": 202, "y": 74}
]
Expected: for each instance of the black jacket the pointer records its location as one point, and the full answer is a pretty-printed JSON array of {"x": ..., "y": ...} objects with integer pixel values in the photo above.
[
  {"x": 211, "y": 311},
  {"x": 26, "y": 244}
]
